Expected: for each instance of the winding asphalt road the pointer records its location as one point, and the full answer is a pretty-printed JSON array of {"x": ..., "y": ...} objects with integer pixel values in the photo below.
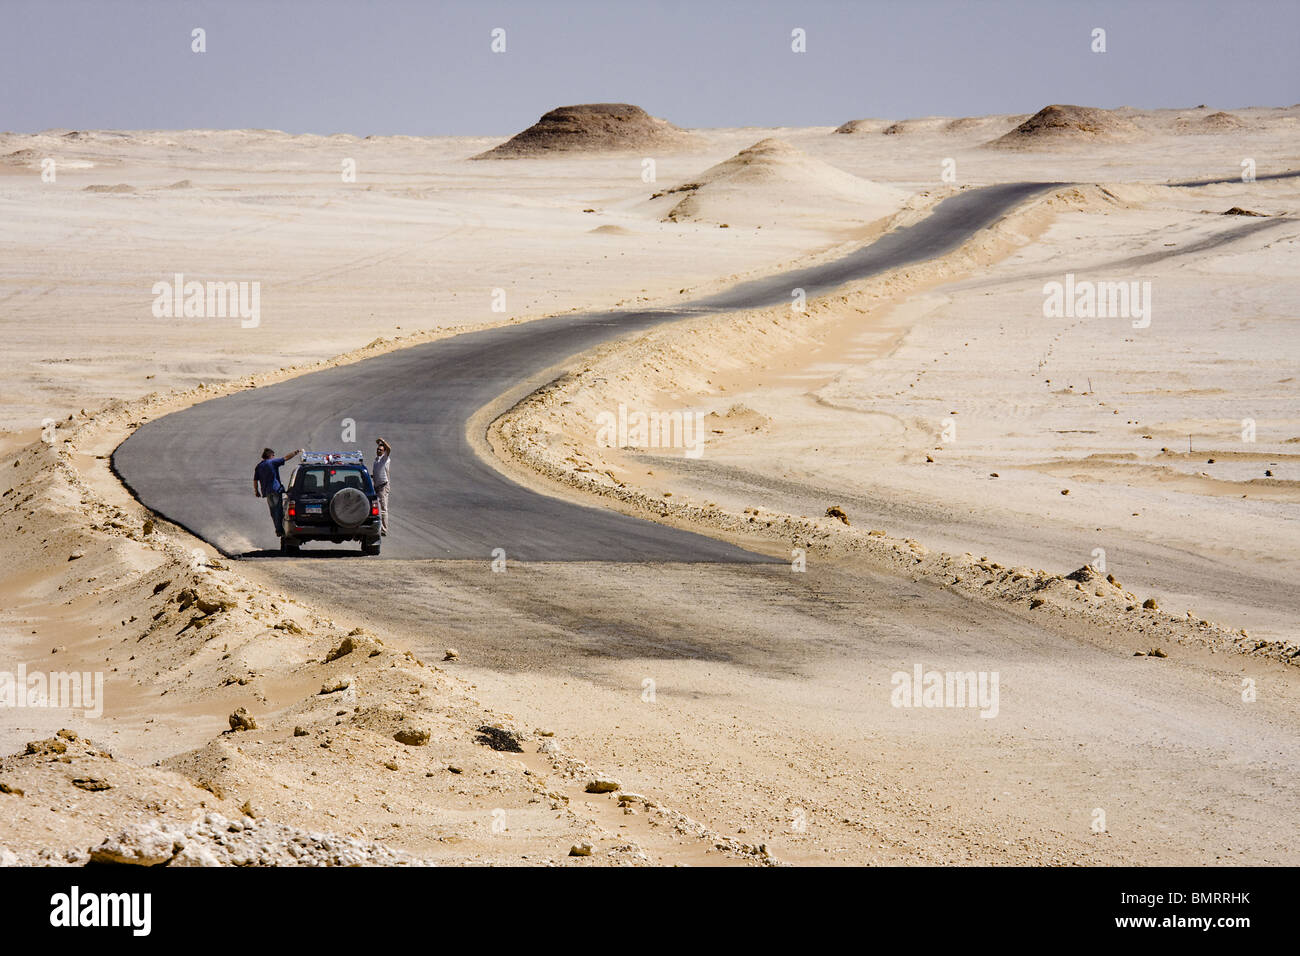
[{"x": 194, "y": 466}]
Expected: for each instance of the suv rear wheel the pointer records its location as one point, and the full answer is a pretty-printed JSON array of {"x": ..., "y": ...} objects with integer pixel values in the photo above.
[
  {"x": 289, "y": 545},
  {"x": 370, "y": 546}
]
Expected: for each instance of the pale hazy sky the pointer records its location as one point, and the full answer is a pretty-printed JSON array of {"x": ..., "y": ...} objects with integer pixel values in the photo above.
[{"x": 422, "y": 68}]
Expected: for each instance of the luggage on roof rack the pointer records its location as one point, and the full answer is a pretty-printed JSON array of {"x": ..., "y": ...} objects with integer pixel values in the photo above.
[{"x": 332, "y": 458}]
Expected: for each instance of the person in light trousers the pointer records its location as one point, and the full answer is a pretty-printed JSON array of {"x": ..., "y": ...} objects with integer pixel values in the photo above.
[{"x": 379, "y": 475}]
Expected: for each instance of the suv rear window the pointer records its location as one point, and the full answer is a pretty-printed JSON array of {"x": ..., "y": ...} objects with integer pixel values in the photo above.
[{"x": 327, "y": 479}]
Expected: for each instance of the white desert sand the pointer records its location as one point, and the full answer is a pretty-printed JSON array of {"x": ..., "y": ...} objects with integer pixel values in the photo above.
[{"x": 838, "y": 406}]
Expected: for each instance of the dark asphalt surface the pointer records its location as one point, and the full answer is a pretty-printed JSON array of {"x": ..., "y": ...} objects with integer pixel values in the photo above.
[{"x": 194, "y": 467}]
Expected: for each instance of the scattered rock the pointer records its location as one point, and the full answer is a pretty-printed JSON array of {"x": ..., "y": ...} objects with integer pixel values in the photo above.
[
  {"x": 194, "y": 854},
  {"x": 212, "y": 607},
  {"x": 299, "y": 732},
  {"x": 93, "y": 784},
  {"x": 139, "y": 844},
  {"x": 835, "y": 511},
  {"x": 602, "y": 784},
  {"x": 499, "y": 738},
  {"x": 1156, "y": 652},
  {"x": 412, "y": 736},
  {"x": 242, "y": 720},
  {"x": 105, "y": 188},
  {"x": 218, "y": 841},
  {"x": 451, "y": 654},
  {"x": 50, "y": 746},
  {"x": 333, "y": 687},
  {"x": 1150, "y": 604},
  {"x": 344, "y": 648},
  {"x": 582, "y": 848}
]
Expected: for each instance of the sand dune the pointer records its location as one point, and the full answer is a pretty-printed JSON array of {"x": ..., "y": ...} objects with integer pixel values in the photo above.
[
  {"x": 932, "y": 124},
  {"x": 591, "y": 127},
  {"x": 1219, "y": 122},
  {"x": 1063, "y": 125},
  {"x": 1223, "y": 120},
  {"x": 773, "y": 179},
  {"x": 922, "y": 124},
  {"x": 22, "y": 157},
  {"x": 972, "y": 124},
  {"x": 862, "y": 126}
]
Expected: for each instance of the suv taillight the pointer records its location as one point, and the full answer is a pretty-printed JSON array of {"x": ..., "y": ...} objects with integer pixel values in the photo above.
[
  {"x": 374, "y": 509},
  {"x": 293, "y": 510}
]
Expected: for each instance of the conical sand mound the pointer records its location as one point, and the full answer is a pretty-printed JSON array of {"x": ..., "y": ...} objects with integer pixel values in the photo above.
[
  {"x": 1062, "y": 125},
  {"x": 862, "y": 126},
  {"x": 589, "y": 128},
  {"x": 921, "y": 124},
  {"x": 772, "y": 180},
  {"x": 1222, "y": 121}
]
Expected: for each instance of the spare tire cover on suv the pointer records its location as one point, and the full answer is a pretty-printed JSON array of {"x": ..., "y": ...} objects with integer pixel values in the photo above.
[{"x": 349, "y": 507}]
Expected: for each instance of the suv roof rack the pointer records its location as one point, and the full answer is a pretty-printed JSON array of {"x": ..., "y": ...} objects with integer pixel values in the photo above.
[{"x": 332, "y": 458}]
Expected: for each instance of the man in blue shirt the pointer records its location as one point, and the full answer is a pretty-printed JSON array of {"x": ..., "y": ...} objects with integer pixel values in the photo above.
[{"x": 266, "y": 484}]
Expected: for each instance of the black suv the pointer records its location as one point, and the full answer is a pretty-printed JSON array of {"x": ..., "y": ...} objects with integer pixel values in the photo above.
[{"x": 331, "y": 498}]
